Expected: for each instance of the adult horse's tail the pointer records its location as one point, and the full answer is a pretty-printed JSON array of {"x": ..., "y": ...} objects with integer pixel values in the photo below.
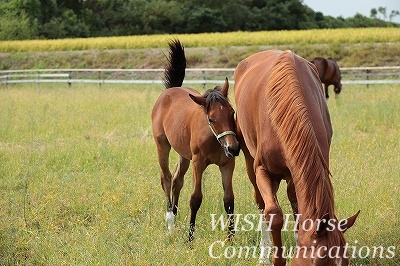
[{"x": 175, "y": 70}]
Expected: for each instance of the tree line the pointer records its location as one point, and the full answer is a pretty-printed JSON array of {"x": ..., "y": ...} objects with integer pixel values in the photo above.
[{"x": 54, "y": 19}]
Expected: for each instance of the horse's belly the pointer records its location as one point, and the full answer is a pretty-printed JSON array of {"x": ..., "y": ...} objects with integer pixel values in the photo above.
[
  {"x": 180, "y": 140},
  {"x": 273, "y": 159}
]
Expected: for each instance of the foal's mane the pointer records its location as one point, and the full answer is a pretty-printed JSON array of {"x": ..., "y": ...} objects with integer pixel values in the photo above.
[
  {"x": 214, "y": 95},
  {"x": 292, "y": 121}
]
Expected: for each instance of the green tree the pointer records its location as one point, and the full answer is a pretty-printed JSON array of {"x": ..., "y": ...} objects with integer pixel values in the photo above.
[
  {"x": 204, "y": 19},
  {"x": 115, "y": 17},
  {"x": 393, "y": 14},
  {"x": 68, "y": 25},
  {"x": 162, "y": 16},
  {"x": 19, "y": 19},
  {"x": 17, "y": 26}
]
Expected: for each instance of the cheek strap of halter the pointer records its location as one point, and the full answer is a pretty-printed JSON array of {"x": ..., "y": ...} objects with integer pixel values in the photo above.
[{"x": 218, "y": 136}]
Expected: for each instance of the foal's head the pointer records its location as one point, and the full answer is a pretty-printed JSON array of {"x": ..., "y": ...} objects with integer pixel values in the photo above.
[{"x": 220, "y": 116}]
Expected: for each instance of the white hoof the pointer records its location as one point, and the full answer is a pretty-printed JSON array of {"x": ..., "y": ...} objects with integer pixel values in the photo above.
[
  {"x": 296, "y": 237},
  {"x": 264, "y": 261},
  {"x": 170, "y": 219}
]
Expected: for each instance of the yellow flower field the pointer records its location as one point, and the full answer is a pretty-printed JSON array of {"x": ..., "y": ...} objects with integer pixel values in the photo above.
[{"x": 316, "y": 36}]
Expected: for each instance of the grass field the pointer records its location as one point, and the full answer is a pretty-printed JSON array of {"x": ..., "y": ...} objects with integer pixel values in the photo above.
[{"x": 79, "y": 180}]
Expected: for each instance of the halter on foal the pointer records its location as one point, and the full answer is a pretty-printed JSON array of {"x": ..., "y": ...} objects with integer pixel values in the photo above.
[
  {"x": 199, "y": 128},
  {"x": 284, "y": 129}
]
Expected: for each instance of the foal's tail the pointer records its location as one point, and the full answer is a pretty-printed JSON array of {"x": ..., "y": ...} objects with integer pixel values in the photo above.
[{"x": 175, "y": 70}]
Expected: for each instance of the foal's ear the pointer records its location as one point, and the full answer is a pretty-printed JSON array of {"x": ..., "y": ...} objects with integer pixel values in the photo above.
[
  {"x": 200, "y": 100},
  {"x": 347, "y": 223},
  {"x": 224, "y": 90}
]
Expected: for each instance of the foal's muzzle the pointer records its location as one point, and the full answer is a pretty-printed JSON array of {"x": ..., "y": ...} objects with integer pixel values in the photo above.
[
  {"x": 230, "y": 145},
  {"x": 232, "y": 151}
]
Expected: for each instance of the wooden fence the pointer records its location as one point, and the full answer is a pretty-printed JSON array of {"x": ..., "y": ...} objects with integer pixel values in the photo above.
[{"x": 350, "y": 75}]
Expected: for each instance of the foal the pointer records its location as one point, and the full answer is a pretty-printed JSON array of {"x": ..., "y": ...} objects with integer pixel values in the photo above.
[{"x": 200, "y": 128}]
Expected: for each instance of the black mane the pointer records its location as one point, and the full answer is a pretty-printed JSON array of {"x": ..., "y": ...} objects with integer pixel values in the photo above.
[{"x": 214, "y": 95}]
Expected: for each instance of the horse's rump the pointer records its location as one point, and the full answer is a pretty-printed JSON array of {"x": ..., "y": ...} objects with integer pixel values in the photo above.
[
  {"x": 321, "y": 64},
  {"x": 168, "y": 115},
  {"x": 328, "y": 70}
]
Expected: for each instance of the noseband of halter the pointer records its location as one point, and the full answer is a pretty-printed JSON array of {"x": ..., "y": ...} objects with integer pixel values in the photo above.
[{"x": 218, "y": 136}]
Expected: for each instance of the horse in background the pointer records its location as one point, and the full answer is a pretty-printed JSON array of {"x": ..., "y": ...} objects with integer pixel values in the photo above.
[
  {"x": 284, "y": 129},
  {"x": 201, "y": 129},
  {"x": 329, "y": 73}
]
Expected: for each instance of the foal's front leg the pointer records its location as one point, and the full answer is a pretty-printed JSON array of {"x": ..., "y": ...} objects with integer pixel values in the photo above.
[
  {"x": 197, "y": 196},
  {"x": 177, "y": 181},
  {"x": 229, "y": 199}
]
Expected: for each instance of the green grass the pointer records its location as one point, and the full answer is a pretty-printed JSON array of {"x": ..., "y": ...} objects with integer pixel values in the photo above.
[{"x": 79, "y": 179}]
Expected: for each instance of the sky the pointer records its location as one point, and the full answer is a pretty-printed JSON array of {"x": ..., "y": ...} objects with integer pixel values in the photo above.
[{"x": 348, "y": 8}]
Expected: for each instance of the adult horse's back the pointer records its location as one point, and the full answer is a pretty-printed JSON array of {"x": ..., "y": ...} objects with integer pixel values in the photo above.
[
  {"x": 199, "y": 128},
  {"x": 329, "y": 73},
  {"x": 284, "y": 128}
]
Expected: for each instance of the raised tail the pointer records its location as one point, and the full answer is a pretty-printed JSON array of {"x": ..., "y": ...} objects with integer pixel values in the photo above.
[{"x": 174, "y": 72}]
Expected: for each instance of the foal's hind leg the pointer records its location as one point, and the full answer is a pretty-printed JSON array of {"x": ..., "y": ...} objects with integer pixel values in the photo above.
[
  {"x": 177, "y": 181},
  {"x": 163, "y": 149}
]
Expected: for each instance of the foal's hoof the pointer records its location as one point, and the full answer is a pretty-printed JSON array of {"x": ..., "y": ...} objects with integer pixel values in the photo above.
[
  {"x": 170, "y": 219},
  {"x": 191, "y": 234}
]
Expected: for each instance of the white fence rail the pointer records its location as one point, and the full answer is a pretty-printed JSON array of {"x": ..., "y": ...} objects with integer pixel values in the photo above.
[{"x": 350, "y": 75}]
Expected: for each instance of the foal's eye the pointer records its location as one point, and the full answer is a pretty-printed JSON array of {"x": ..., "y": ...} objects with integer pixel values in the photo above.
[{"x": 210, "y": 120}]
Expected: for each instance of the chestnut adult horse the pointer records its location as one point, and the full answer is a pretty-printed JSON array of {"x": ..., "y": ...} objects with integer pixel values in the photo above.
[
  {"x": 284, "y": 129},
  {"x": 200, "y": 128},
  {"x": 329, "y": 73}
]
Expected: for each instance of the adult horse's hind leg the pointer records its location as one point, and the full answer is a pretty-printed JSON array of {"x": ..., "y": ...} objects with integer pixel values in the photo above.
[
  {"x": 177, "y": 181},
  {"x": 229, "y": 199},
  {"x": 197, "y": 196},
  {"x": 163, "y": 149},
  {"x": 326, "y": 91},
  {"x": 291, "y": 193},
  {"x": 268, "y": 187}
]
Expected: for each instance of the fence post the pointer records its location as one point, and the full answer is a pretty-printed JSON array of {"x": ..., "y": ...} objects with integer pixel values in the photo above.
[
  {"x": 69, "y": 79},
  {"x": 100, "y": 78},
  {"x": 368, "y": 71},
  {"x": 203, "y": 72}
]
